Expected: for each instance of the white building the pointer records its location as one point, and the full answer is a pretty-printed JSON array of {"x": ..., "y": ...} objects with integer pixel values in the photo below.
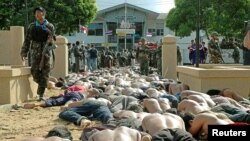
[{"x": 142, "y": 21}]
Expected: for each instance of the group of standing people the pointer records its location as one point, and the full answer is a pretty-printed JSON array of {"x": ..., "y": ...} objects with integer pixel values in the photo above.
[
  {"x": 202, "y": 52},
  {"x": 81, "y": 57},
  {"x": 214, "y": 53}
]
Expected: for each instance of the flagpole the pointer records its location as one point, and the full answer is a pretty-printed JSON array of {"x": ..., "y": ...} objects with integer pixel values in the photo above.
[{"x": 125, "y": 23}]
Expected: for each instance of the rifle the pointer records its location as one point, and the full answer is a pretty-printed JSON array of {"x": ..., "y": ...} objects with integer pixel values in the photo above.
[
  {"x": 216, "y": 49},
  {"x": 46, "y": 54}
]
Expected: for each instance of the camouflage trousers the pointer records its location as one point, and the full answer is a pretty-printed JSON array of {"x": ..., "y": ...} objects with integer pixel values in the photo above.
[
  {"x": 144, "y": 66},
  {"x": 39, "y": 76},
  {"x": 159, "y": 65},
  {"x": 236, "y": 60},
  {"x": 214, "y": 59}
]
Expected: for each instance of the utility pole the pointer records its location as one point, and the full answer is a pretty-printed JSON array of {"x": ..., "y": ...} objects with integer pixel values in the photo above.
[
  {"x": 197, "y": 56},
  {"x": 27, "y": 15}
]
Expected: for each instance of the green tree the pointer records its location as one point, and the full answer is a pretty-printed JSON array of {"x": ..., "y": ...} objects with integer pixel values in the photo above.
[
  {"x": 66, "y": 15},
  {"x": 224, "y": 16}
]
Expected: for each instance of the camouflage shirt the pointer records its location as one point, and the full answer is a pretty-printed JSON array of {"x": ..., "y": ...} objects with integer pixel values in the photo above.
[
  {"x": 36, "y": 35},
  {"x": 142, "y": 52},
  {"x": 213, "y": 48}
]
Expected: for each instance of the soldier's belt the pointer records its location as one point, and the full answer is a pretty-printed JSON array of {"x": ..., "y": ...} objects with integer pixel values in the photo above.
[{"x": 35, "y": 44}]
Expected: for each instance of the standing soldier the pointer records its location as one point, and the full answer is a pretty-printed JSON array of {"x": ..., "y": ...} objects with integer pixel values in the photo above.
[
  {"x": 203, "y": 53},
  {"x": 35, "y": 41},
  {"x": 70, "y": 57},
  {"x": 236, "y": 54},
  {"x": 78, "y": 56},
  {"x": 214, "y": 50},
  {"x": 159, "y": 58},
  {"x": 83, "y": 57},
  {"x": 192, "y": 49},
  {"x": 132, "y": 57},
  {"x": 179, "y": 58},
  {"x": 142, "y": 57}
]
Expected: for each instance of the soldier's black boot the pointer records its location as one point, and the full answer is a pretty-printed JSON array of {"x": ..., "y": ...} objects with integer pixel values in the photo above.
[{"x": 40, "y": 93}]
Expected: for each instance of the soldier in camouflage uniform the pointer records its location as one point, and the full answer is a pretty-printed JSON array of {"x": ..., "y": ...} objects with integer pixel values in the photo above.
[
  {"x": 142, "y": 57},
  {"x": 35, "y": 41},
  {"x": 236, "y": 54},
  {"x": 159, "y": 58},
  {"x": 236, "y": 51},
  {"x": 179, "y": 58},
  {"x": 214, "y": 50}
]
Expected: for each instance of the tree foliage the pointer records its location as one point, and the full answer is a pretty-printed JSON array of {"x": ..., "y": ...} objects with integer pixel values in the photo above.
[
  {"x": 224, "y": 16},
  {"x": 66, "y": 15}
]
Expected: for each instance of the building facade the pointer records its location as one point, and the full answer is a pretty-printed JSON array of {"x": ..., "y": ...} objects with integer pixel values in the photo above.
[
  {"x": 102, "y": 31},
  {"x": 142, "y": 22}
]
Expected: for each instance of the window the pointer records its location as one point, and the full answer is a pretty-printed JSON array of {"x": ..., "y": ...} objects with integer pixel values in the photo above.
[
  {"x": 138, "y": 31},
  {"x": 95, "y": 29},
  {"x": 112, "y": 38},
  {"x": 151, "y": 30},
  {"x": 112, "y": 27},
  {"x": 159, "y": 32}
]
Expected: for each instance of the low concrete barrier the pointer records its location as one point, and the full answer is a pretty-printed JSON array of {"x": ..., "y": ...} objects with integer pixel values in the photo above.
[
  {"x": 16, "y": 84},
  {"x": 235, "y": 77}
]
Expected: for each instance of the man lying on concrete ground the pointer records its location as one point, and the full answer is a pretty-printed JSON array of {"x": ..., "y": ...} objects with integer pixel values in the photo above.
[
  {"x": 191, "y": 106},
  {"x": 144, "y": 123},
  {"x": 157, "y": 122},
  {"x": 236, "y": 114},
  {"x": 44, "y": 139},
  {"x": 174, "y": 134},
  {"x": 232, "y": 94},
  {"x": 229, "y": 96},
  {"x": 100, "y": 109},
  {"x": 80, "y": 112},
  {"x": 199, "y": 97},
  {"x": 159, "y": 105},
  {"x": 64, "y": 99},
  {"x": 232, "y": 112},
  {"x": 197, "y": 125},
  {"x": 58, "y": 133},
  {"x": 176, "y": 89},
  {"x": 218, "y": 99},
  {"x": 119, "y": 134}
]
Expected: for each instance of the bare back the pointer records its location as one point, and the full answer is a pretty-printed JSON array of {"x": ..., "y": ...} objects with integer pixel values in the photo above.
[
  {"x": 118, "y": 134},
  {"x": 152, "y": 105},
  {"x": 191, "y": 106},
  {"x": 156, "y": 122},
  {"x": 201, "y": 122}
]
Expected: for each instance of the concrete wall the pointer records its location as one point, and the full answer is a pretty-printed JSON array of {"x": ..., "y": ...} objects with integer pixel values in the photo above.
[
  {"x": 169, "y": 57},
  {"x": 206, "y": 77},
  {"x": 61, "y": 58},
  {"x": 16, "y": 85},
  {"x": 10, "y": 44}
]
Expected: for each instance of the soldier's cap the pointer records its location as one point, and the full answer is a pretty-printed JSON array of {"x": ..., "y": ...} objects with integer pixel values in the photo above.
[
  {"x": 39, "y": 8},
  {"x": 214, "y": 33},
  {"x": 143, "y": 39}
]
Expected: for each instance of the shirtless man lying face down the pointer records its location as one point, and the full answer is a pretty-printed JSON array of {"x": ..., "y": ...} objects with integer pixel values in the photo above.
[
  {"x": 191, "y": 106},
  {"x": 177, "y": 88},
  {"x": 157, "y": 122},
  {"x": 119, "y": 134},
  {"x": 45, "y": 139},
  {"x": 156, "y": 105},
  {"x": 198, "y": 124},
  {"x": 127, "y": 113},
  {"x": 199, "y": 95}
]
